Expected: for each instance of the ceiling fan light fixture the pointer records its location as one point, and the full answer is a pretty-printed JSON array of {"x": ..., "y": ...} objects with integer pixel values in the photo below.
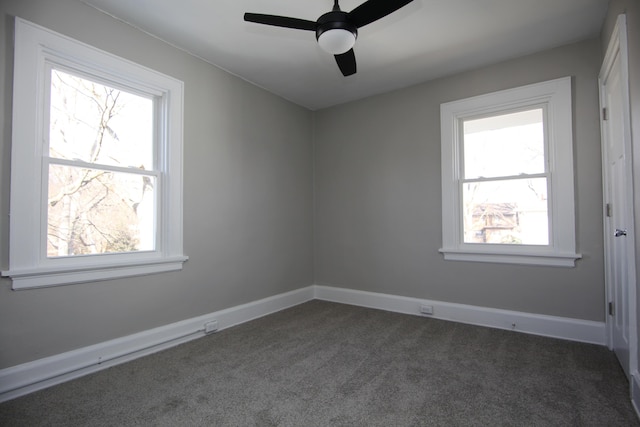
[{"x": 336, "y": 41}]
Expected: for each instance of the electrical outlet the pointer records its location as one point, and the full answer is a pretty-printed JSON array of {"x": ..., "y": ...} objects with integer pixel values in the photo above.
[
  {"x": 210, "y": 326},
  {"x": 426, "y": 309}
]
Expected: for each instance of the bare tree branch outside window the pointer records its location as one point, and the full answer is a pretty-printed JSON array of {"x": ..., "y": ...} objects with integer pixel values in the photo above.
[{"x": 100, "y": 142}]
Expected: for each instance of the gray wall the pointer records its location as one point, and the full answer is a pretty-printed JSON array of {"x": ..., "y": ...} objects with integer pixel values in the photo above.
[
  {"x": 378, "y": 195},
  {"x": 247, "y": 192},
  {"x": 632, "y": 9}
]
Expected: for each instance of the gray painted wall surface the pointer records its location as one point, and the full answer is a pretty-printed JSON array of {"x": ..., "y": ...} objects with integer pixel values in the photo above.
[
  {"x": 378, "y": 195},
  {"x": 247, "y": 199},
  {"x": 632, "y": 9}
]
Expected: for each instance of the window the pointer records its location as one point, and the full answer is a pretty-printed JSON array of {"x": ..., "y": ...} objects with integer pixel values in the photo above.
[
  {"x": 507, "y": 176},
  {"x": 96, "y": 180}
]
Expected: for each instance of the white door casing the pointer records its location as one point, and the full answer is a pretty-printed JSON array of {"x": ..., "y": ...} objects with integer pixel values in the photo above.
[{"x": 618, "y": 197}]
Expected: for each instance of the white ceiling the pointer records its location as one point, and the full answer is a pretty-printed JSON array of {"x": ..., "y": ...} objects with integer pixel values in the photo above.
[{"x": 422, "y": 41}]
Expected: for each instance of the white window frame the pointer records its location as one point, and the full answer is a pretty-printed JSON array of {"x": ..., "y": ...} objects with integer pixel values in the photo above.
[
  {"x": 36, "y": 49},
  {"x": 554, "y": 97}
]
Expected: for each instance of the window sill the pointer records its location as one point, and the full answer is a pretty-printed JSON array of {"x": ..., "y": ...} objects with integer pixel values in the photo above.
[
  {"x": 523, "y": 257},
  {"x": 67, "y": 275}
]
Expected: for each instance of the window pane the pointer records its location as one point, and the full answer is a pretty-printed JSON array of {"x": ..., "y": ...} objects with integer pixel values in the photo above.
[
  {"x": 99, "y": 124},
  {"x": 92, "y": 211},
  {"x": 506, "y": 212},
  {"x": 504, "y": 145}
]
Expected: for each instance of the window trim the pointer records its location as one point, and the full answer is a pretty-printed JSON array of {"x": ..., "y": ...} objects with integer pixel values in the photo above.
[
  {"x": 555, "y": 96},
  {"x": 35, "y": 48}
]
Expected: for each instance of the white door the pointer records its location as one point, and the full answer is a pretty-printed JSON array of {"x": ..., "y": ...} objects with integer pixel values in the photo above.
[{"x": 618, "y": 198}]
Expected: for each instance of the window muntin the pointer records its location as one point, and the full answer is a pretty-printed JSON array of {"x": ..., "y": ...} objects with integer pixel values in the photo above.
[{"x": 504, "y": 179}]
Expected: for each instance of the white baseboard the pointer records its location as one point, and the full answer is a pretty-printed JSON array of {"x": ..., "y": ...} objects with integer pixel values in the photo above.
[
  {"x": 32, "y": 376},
  {"x": 536, "y": 324},
  {"x": 635, "y": 392}
]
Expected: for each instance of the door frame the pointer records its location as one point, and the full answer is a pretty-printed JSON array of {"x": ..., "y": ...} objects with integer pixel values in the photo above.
[{"x": 618, "y": 47}]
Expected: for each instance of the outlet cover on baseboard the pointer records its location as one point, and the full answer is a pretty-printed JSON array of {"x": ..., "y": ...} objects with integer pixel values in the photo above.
[
  {"x": 426, "y": 309},
  {"x": 211, "y": 326}
]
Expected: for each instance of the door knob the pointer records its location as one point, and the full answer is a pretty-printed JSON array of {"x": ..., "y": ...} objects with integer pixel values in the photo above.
[{"x": 619, "y": 232}]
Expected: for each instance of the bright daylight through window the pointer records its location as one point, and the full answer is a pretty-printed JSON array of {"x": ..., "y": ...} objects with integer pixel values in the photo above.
[
  {"x": 507, "y": 171},
  {"x": 101, "y": 193},
  {"x": 505, "y": 181},
  {"x": 96, "y": 183}
]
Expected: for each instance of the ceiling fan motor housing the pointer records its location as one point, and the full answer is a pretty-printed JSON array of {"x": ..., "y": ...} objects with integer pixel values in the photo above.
[{"x": 335, "y": 20}]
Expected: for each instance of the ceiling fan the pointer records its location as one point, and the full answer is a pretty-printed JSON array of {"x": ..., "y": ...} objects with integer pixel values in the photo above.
[{"x": 336, "y": 31}]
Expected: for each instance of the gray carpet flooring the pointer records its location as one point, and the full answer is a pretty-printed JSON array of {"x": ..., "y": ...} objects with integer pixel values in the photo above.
[{"x": 327, "y": 364}]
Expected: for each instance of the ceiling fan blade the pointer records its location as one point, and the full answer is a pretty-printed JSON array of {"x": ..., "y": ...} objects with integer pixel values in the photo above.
[
  {"x": 280, "y": 21},
  {"x": 347, "y": 62},
  {"x": 372, "y": 10}
]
